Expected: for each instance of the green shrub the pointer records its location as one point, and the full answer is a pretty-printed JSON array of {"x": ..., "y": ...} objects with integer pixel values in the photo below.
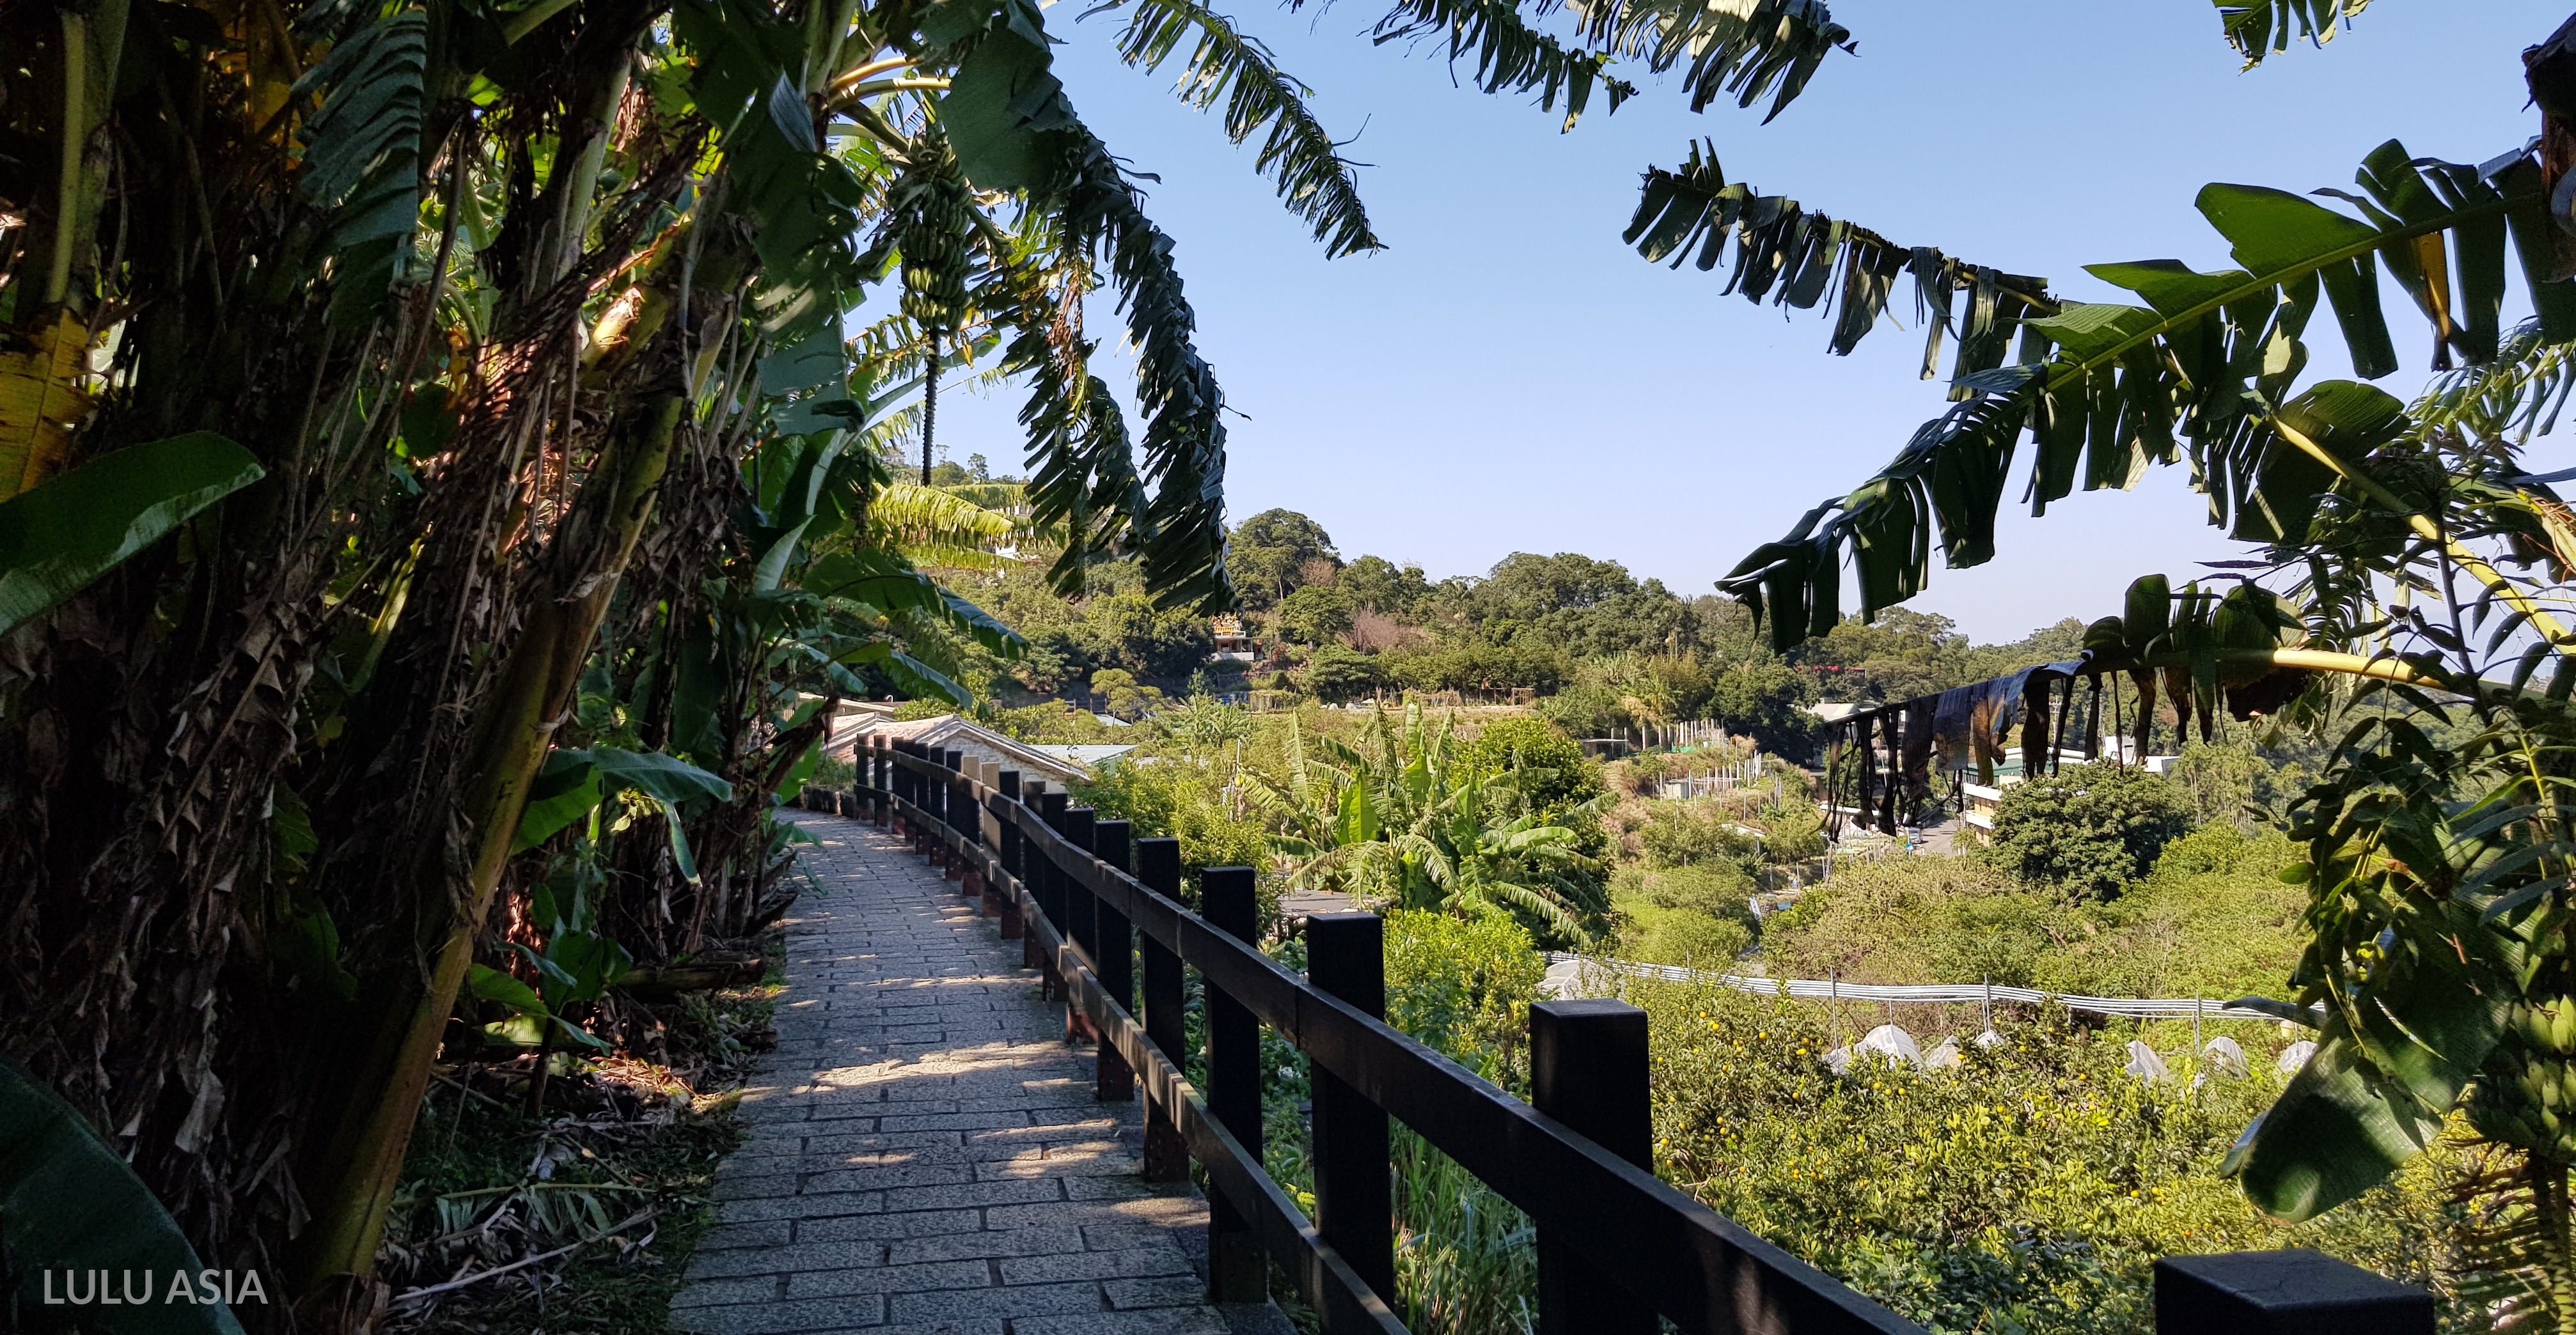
[
  {"x": 1176, "y": 799},
  {"x": 1464, "y": 1263},
  {"x": 1463, "y": 987},
  {"x": 1696, "y": 915},
  {"x": 1683, "y": 834},
  {"x": 1795, "y": 832},
  {"x": 1316, "y": 614},
  {"x": 2212, "y": 920},
  {"x": 2030, "y": 1190},
  {"x": 1551, "y": 769},
  {"x": 2091, "y": 828},
  {"x": 1682, "y": 936},
  {"x": 1900, "y": 921},
  {"x": 1336, "y": 673},
  {"x": 1714, "y": 889}
]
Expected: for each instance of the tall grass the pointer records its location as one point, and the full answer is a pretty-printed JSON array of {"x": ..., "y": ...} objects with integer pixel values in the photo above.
[{"x": 1466, "y": 1261}]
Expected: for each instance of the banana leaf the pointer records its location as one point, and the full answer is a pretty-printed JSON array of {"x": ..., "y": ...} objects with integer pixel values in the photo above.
[
  {"x": 58, "y": 536},
  {"x": 70, "y": 1204}
]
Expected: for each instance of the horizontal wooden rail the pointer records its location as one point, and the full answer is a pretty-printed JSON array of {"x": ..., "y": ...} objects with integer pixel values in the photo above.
[{"x": 1701, "y": 1270}]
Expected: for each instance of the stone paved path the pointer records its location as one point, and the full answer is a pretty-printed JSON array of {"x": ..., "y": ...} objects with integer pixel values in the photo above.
[{"x": 925, "y": 1153}]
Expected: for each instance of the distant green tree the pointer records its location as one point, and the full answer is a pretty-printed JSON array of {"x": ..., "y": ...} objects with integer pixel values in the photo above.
[
  {"x": 1269, "y": 554},
  {"x": 1126, "y": 630},
  {"x": 2092, "y": 828},
  {"x": 1479, "y": 665},
  {"x": 1897, "y": 655},
  {"x": 1122, "y": 696},
  {"x": 1590, "y": 707},
  {"x": 1765, "y": 701},
  {"x": 1316, "y": 614},
  {"x": 1684, "y": 683},
  {"x": 1338, "y": 673},
  {"x": 1691, "y": 834},
  {"x": 1381, "y": 586},
  {"x": 2228, "y": 779},
  {"x": 1578, "y": 605}
]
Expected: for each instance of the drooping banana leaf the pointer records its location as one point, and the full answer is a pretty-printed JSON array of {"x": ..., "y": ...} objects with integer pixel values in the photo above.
[
  {"x": 67, "y": 531},
  {"x": 888, "y": 583},
  {"x": 2257, "y": 28},
  {"x": 1793, "y": 257},
  {"x": 661, "y": 777},
  {"x": 1013, "y": 127},
  {"x": 573, "y": 782},
  {"x": 2199, "y": 372},
  {"x": 2390, "y": 1062},
  {"x": 70, "y": 1204},
  {"x": 362, "y": 153},
  {"x": 1227, "y": 64}
]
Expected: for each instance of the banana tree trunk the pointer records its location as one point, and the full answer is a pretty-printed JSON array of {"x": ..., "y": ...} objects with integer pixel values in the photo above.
[{"x": 355, "y": 1188}]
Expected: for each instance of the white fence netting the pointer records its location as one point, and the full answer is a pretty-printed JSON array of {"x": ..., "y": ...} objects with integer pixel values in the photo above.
[{"x": 1835, "y": 990}]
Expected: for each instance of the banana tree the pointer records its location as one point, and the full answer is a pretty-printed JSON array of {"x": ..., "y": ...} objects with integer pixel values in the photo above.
[
  {"x": 2404, "y": 558},
  {"x": 1401, "y": 818},
  {"x": 524, "y": 281},
  {"x": 518, "y": 276}
]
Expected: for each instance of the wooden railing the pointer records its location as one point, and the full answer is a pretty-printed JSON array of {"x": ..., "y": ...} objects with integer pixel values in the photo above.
[{"x": 1617, "y": 1246}]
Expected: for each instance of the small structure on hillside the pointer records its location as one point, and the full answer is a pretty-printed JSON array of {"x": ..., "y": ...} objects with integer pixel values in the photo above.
[{"x": 950, "y": 732}]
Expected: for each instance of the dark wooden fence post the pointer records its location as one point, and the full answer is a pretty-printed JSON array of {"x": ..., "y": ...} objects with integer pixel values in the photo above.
[
  {"x": 2291, "y": 1292},
  {"x": 997, "y": 903},
  {"x": 894, "y": 790},
  {"x": 1167, "y": 1156},
  {"x": 1051, "y": 809},
  {"x": 971, "y": 809},
  {"x": 934, "y": 797},
  {"x": 1237, "y": 1271},
  {"x": 1032, "y": 871},
  {"x": 1115, "y": 959},
  {"x": 1588, "y": 1070},
  {"x": 934, "y": 801},
  {"x": 913, "y": 796},
  {"x": 1079, "y": 905},
  {"x": 951, "y": 797},
  {"x": 1354, "y": 1190}
]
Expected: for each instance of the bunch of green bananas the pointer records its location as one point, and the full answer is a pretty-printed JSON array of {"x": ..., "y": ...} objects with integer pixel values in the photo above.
[
  {"x": 934, "y": 216},
  {"x": 2526, "y": 1095}
]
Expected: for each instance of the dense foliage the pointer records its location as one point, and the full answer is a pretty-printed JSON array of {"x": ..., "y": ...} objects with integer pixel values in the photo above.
[
  {"x": 2090, "y": 828},
  {"x": 2030, "y": 1189}
]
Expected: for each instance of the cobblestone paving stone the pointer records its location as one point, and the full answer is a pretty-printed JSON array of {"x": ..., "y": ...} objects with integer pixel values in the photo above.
[{"x": 925, "y": 1154}]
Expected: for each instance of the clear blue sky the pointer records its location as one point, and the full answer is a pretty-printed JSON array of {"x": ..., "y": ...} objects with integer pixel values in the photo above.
[{"x": 1508, "y": 377}]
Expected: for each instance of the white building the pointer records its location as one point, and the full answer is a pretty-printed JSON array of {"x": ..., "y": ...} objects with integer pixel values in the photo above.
[{"x": 1052, "y": 763}]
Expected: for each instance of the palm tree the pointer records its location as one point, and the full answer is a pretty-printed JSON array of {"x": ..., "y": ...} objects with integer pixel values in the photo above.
[{"x": 1400, "y": 819}]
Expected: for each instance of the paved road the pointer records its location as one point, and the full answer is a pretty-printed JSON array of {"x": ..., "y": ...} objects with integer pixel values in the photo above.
[{"x": 925, "y": 1153}]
